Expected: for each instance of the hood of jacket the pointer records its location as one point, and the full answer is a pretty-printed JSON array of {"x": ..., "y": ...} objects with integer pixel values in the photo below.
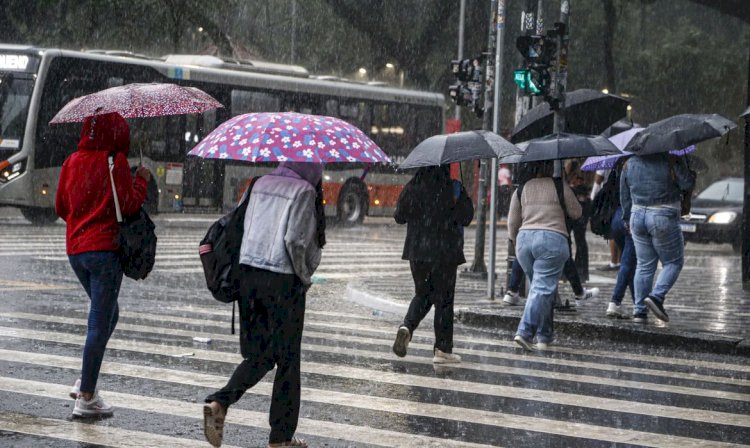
[
  {"x": 311, "y": 172},
  {"x": 106, "y": 132}
]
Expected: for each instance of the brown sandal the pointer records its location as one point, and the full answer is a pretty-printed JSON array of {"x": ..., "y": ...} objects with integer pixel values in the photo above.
[
  {"x": 213, "y": 423},
  {"x": 295, "y": 442}
]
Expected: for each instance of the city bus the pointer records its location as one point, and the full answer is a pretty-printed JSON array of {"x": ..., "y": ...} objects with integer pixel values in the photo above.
[{"x": 35, "y": 83}]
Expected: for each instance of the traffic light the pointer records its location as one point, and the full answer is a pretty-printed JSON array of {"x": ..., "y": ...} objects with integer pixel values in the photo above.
[
  {"x": 538, "y": 53},
  {"x": 468, "y": 89}
]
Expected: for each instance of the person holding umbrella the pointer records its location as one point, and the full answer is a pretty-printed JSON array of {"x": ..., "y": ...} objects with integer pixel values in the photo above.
[
  {"x": 536, "y": 225},
  {"x": 85, "y": 201},
  {"x": 650, "y": 192},
  {"x": 434, "y": 212},
  {"x": 284, "y": 232}
]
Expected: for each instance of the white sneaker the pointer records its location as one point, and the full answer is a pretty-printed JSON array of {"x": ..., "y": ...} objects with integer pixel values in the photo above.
[
  {"x": 96, "y": 407},
  {"x": 445, "y": 358},
  {"x": 403, "y": 336},
  {"x": 526, "y": 345},
  {"x": 588, "y": 293},
  {"x": 614, "y": 310},
  {"x": 75, "y": 390},
  {"x": 541, "y": 346},
  {"x": 511, "y": 298}
]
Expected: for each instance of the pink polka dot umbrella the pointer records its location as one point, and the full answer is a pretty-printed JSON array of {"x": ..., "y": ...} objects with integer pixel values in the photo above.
[
  {"x": 138, "y": 100},
  {"x": 288, "y": 136}
]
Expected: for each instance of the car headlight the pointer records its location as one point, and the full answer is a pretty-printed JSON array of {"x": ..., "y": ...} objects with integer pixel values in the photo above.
[
  {"x": 722, "y": 217},
  {"x": 9, "y": 171}
]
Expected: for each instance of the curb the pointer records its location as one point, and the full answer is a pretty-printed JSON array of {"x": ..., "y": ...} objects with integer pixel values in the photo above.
[{"x": 698, "y": 341}]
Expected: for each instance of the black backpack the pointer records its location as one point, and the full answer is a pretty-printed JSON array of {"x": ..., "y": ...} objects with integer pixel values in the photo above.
[
  {"x": 604, "y": 206},
  {"x": 220, "y": 251}
]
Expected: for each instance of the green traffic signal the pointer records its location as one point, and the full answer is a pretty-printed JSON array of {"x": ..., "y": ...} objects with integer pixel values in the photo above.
[{"x": 523, "y": 80}]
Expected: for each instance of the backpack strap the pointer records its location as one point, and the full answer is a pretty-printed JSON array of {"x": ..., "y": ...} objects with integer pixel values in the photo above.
[{"x": 561, "y": 198}]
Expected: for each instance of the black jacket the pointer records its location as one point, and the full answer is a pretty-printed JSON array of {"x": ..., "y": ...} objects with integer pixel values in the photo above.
[{"x": 434, "y": 218}]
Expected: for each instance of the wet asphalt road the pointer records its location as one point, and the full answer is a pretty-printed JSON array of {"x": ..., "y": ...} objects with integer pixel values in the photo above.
[{"x": 355, "y": 391}]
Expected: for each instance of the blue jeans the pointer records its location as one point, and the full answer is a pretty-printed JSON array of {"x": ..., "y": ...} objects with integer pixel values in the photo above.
[
  {"x": 569, "y": 269},
  {"x": 100, "y": 274},
  {"x": 626, "y": 273},
  {"x": 542, "y": 254},
  {"x": 657, "y": 238}
]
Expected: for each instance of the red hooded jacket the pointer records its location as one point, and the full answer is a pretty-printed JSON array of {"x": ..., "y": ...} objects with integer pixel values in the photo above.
[{"x": 84, "y": 194}]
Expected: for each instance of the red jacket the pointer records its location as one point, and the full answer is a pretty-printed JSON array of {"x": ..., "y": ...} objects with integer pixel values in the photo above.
[{"x": 84, "y": 193}]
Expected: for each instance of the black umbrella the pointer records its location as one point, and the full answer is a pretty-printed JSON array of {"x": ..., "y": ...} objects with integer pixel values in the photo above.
[
  {"x": 457, "y": 147},
  {"x": 679, "y": 131},
  {"x": 562, "y": 146},
  {"x": 587, "y": 111}
]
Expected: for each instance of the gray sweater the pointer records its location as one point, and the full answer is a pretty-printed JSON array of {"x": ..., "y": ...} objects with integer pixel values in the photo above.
[{"x": 539, "y": 208}]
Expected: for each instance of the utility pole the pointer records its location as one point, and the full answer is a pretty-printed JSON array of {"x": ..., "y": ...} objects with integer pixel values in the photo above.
[
  {"x": 531, "y": 23},
  {"x": 560, "y": 76},
  {"x": 461, "y": 27},
  {"x": 496, "y": 117},
  {"x": 478, "y": 267},
  {"x": 746, "y": 207}
]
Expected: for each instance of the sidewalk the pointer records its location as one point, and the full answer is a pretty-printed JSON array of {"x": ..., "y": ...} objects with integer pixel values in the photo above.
[{"x": 708, "y": 309}]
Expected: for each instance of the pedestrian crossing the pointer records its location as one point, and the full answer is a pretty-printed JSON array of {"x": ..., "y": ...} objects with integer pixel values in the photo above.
[{"x": 357, "y": 393}]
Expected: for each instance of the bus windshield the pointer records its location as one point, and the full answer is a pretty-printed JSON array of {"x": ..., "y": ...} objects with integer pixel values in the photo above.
[{"x": 15, "y": 94}]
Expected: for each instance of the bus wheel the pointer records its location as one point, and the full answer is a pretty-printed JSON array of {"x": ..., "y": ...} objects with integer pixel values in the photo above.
[
  {"x": 352, "y": 203},
  {"x": 39, "y": 216}
]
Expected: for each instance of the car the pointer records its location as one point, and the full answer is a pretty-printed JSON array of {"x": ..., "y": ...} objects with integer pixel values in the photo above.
[{"x": 716, "y": 214}]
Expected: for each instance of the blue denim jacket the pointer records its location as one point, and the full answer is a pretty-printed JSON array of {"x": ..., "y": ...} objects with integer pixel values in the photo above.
[{"x": 649, "y": 181}]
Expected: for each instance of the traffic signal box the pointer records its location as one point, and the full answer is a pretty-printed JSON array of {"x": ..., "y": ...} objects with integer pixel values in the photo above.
[
  {"x": 467, "y": 91},
  {"x": 538, "y": 52}
]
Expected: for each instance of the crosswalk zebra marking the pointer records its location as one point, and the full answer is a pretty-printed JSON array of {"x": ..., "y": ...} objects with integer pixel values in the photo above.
[
  {"x": 389, "y": 330},
  {"x": 77, "y": 431},
  {"x": 242, "y": 417},
  {"x": 343, "y": 371},
  {"x": 497, "y": 419}
]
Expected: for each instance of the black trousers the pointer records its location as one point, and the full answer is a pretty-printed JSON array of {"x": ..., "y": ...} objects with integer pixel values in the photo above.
[
  {"x": 272, "y": 313},
  {"x": 578, "y": 229},
  {"x": 434, "y": 285}
]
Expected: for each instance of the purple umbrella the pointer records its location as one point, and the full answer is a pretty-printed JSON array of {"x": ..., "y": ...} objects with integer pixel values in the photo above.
[
  {"x": 288, "y": 136},
  {"x": 621, "y": 140}
]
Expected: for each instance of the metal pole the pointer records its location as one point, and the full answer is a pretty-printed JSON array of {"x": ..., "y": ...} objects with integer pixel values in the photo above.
[
  {"x": 461, "y": 19},
  {"x": 560, "y": 80},
  {"x": 478, "y": 266},
  {"x": 523, "y": 104},
  {"x": 496, "y": 117},
  {"x": 746, "y": 207},
  {"x": 294, "y": 31}
]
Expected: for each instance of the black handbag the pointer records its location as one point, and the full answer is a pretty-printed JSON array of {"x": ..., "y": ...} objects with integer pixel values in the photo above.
[{"x": 137, "y": 238}]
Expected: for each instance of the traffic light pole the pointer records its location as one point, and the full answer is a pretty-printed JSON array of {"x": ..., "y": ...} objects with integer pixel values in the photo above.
[
  {"x": 530, "y": 18},
  {"x": 496, "y": 116},
  {"x": 461, "y": 19},
  {"x": 561, "y": 72},
  {"x": 478, "y": 267}
]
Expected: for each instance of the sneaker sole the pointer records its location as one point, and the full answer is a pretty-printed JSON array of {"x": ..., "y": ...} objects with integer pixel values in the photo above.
[
  {"x": 402, "y": 342},
  {"x": 444, "y": 361},
  {"x": 524, "y": 345},
  {"x": 91, "y": 414},
  {"x": 213, "y": 436},
  {"x": 661, "y": 315},
  {"x": 510, "y": 302}
]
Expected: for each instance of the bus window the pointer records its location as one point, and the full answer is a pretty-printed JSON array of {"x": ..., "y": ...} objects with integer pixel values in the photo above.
[
  {"x": 15, "y": 93},
  {"x": 357, "y": 113},
  {"x": 428, "y": 123},
  {"x": 393, "y": 129},
  {"x": 244, "y": 101},
  {"x": 67, "y": 79},
  {"x": 332, "y": 108}
]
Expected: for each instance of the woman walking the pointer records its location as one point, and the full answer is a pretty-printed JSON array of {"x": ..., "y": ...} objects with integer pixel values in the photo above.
[
  {"x": 85, "y": 202},
  {"x": 435, "y": 209},
  {"x": 536, "y": 224},
  {"x": 650, "y": 192}
]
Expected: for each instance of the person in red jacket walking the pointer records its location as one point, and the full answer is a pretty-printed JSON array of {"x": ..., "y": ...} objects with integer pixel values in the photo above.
[{"x": 84, "y": 201}]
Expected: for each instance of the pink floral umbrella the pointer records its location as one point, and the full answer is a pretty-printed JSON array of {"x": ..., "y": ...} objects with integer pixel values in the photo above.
[
  {"x": 288, "y": 136},
  {"x": 138, "y": 100}
]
